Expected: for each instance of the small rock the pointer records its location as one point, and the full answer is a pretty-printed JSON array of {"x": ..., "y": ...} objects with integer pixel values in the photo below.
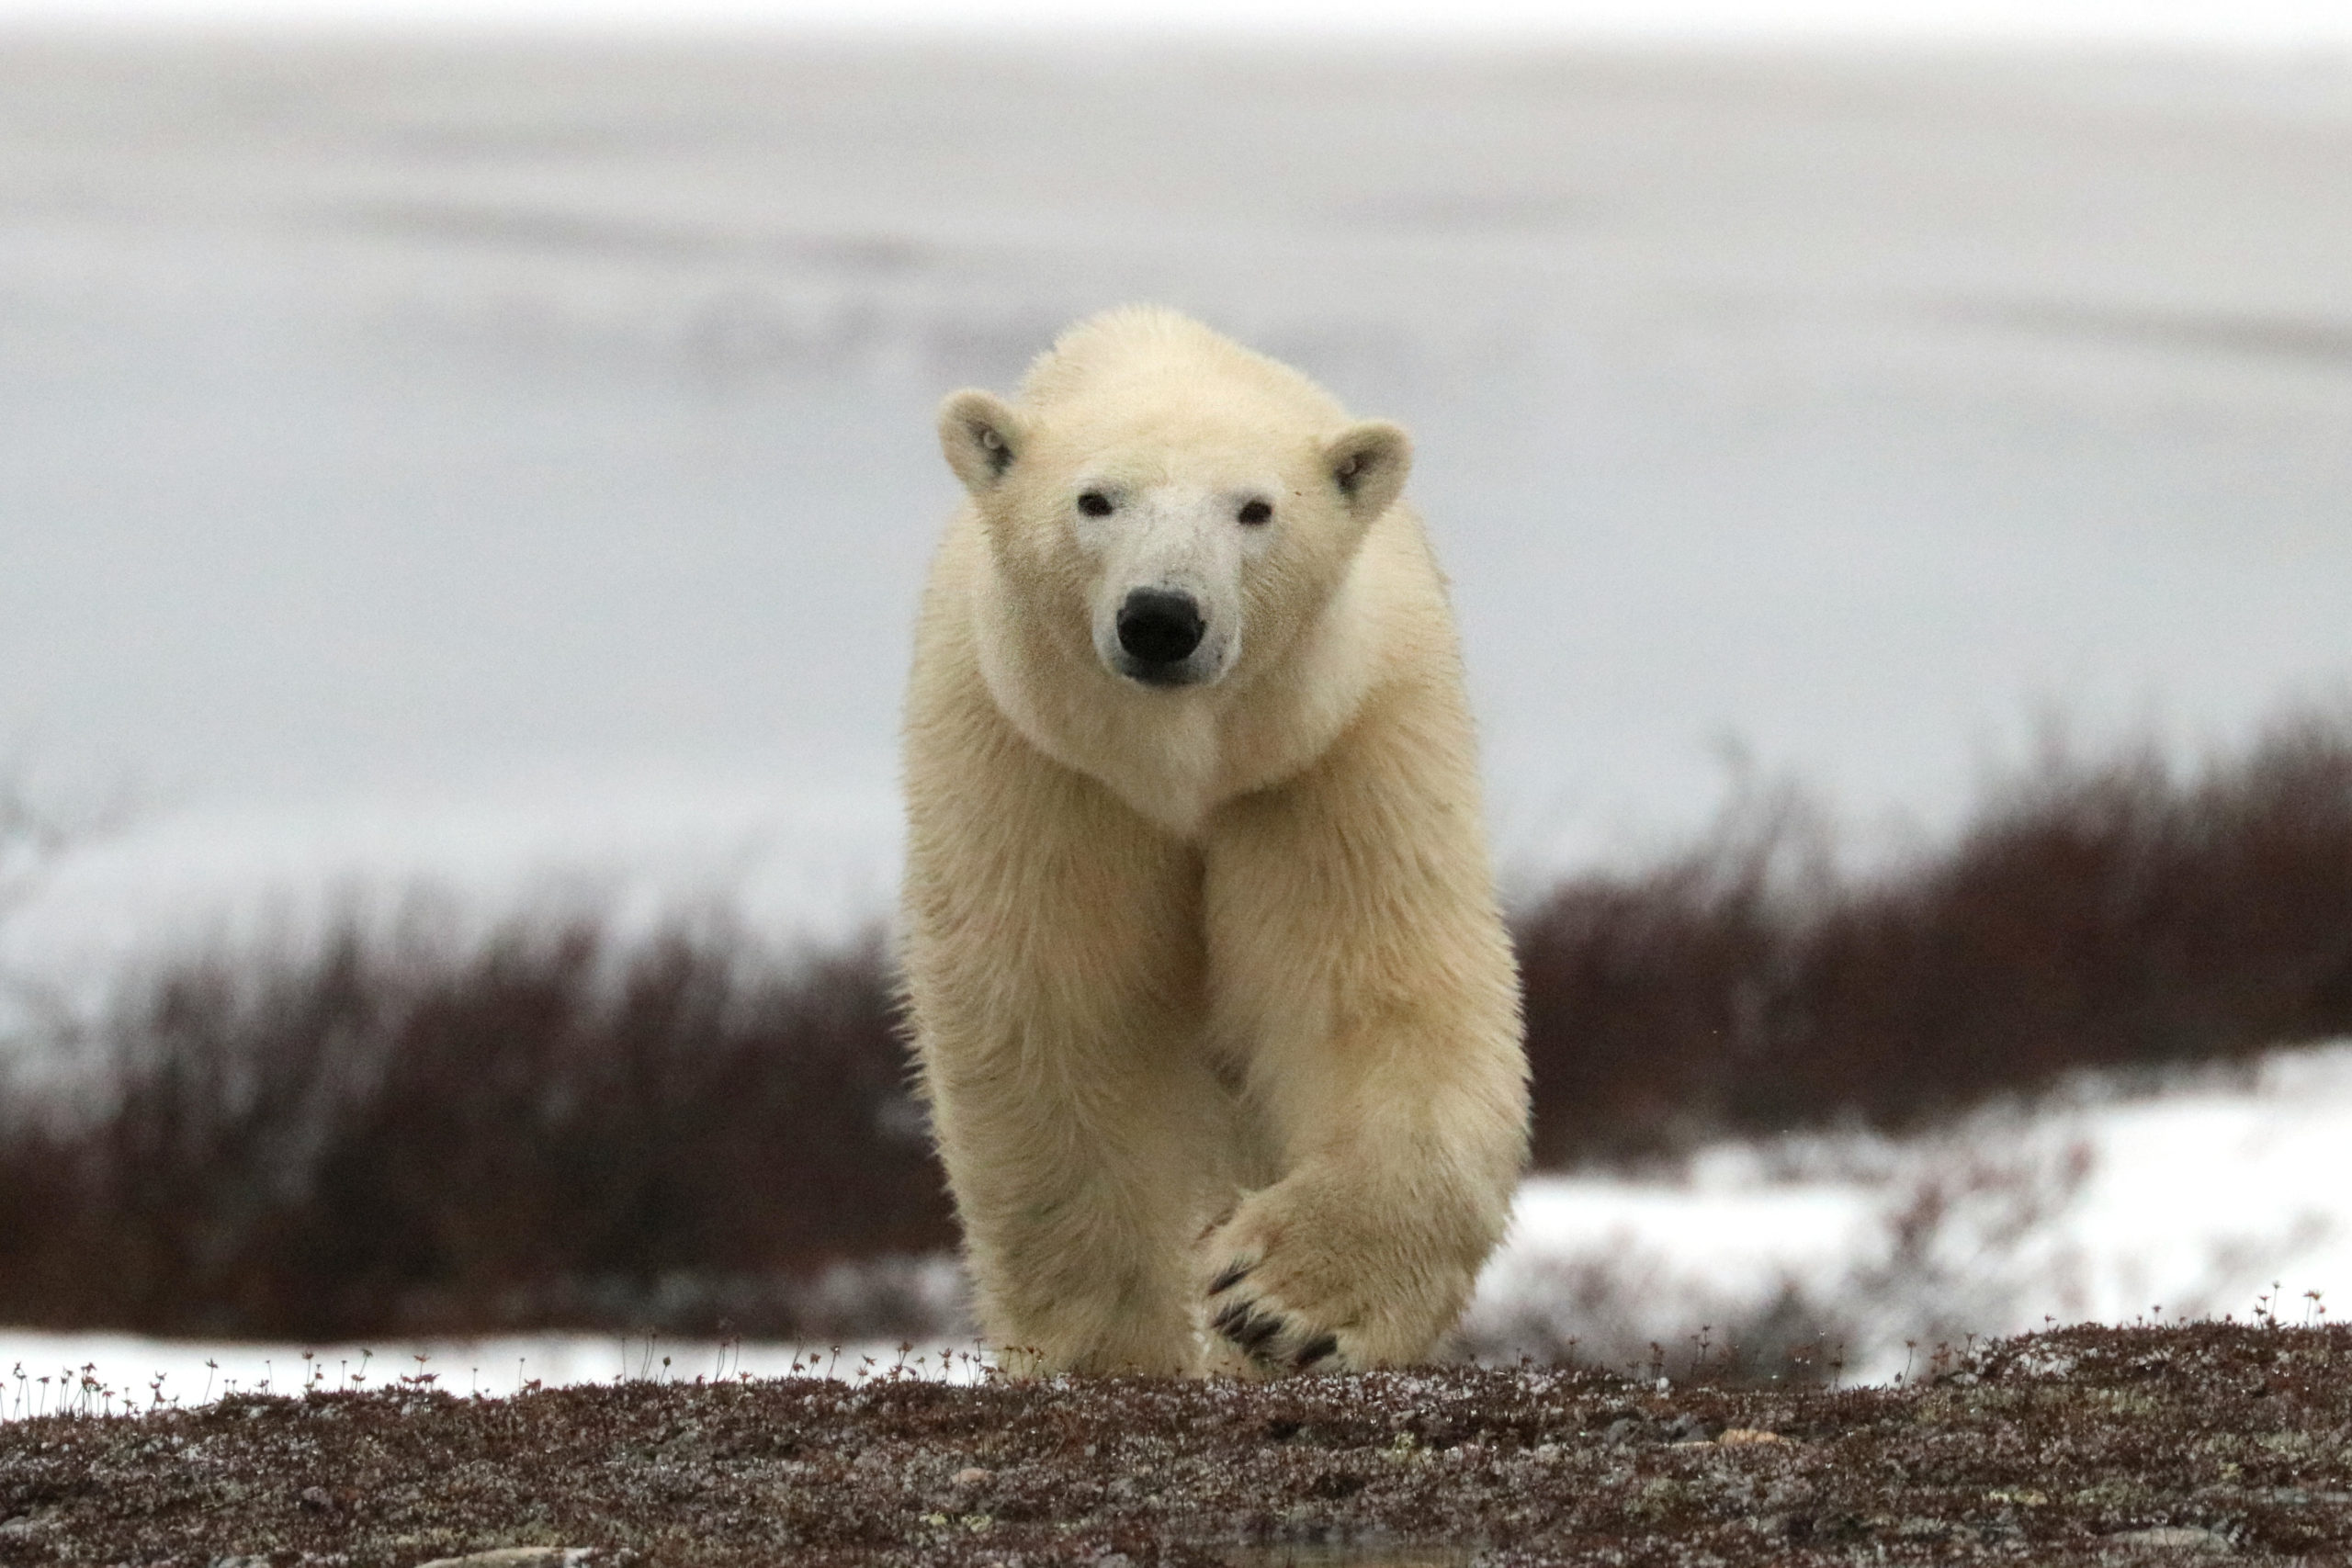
[
  {"x": 2178, "y": 1537},
  {"x": 1735, "y": 1435},
  {"x": 973, "y": 1475},
  {"x": 1114, "y": 1559}
]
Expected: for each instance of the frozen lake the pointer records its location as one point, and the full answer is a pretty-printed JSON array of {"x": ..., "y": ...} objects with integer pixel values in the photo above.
[{"x": 499, "y": 465}]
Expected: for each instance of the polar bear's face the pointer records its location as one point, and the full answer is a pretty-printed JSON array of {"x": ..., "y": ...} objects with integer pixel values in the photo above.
[
  {"x": 1174, "y": 544},
  {"x": 1167, "y": 555}
]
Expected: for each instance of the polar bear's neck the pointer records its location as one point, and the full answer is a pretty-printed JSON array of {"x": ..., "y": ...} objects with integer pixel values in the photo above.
[{"x": 1169, "y": 768}]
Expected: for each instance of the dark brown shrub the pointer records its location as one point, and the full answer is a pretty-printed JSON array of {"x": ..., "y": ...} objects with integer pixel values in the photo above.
[
  {"x": 2108, "y": 915},
  {"x": 386, "y": 1136}
]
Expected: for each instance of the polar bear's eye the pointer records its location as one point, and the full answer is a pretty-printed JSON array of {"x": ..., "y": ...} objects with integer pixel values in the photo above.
[
  {"x": 1255, "y": 512},
  {"x": 1094, "y": 504}
]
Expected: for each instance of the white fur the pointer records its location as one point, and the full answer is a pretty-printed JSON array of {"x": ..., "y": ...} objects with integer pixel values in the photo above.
[{"x": 1213, "y": 1005}]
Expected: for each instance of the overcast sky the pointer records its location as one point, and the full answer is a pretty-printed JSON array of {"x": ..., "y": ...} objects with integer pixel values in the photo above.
[{"x": 2256, "y": 22}]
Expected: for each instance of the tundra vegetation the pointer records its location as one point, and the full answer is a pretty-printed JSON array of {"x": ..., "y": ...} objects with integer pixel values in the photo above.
[{"x": 2141, "y": 1444}]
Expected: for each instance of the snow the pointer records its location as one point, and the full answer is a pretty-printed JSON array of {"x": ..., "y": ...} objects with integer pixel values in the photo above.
[
  {"x": 1734, "y": 1239},
  {"x": 2223, "y": 1194},
  {"x": 101, "y": 1373},
  {"x": 806, "y": 867}
]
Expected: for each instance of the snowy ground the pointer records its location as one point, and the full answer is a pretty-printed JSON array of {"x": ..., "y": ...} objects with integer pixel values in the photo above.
[
  {"x": 99, "y": 1372},
  {"x": 2229, "y": 1195}
]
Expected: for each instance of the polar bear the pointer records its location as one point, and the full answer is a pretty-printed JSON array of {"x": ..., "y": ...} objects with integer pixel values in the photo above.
[{"x": 1211, "y": 1002}]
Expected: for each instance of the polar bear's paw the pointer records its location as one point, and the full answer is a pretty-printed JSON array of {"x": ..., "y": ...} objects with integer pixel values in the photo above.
[
  {"x": 1260, "y": 1334},
  {"x": 1275, "y": 1306}
]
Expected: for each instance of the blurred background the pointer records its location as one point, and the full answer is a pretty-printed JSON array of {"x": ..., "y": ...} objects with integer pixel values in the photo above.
[{"x": 466, "y": 471}]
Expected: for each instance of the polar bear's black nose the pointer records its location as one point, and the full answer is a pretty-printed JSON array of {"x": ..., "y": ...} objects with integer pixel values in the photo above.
[{"x": 1160, "y": 626}]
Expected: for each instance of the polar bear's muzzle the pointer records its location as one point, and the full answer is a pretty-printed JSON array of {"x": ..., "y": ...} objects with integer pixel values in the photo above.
[
  {"x": 1166, "y": 600},
  {"x": 1158, "y": 628}
]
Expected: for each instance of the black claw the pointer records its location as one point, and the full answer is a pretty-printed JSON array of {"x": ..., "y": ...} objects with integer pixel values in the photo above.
[
  {"x": 1247, "y": 1327},
  {"x": 1254, "y": 1335},
  {"x": 1234, "y": 1274},
  {"x": 1315, "y": 1350}
]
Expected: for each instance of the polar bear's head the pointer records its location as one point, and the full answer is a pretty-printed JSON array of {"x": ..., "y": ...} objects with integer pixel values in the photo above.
[{"x": 1165, "y": 503}]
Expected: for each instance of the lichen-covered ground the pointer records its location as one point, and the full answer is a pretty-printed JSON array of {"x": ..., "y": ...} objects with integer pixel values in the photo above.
[{"x": 2087, "y": 1445}]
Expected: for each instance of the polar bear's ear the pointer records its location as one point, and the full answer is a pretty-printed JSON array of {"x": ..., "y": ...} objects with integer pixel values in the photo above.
[
  {"x": 1369, "y": 462},
  {"x": 980, "y": 434}
]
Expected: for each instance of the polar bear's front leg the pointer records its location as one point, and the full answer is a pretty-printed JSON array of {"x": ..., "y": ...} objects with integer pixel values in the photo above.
[
  {"x": 1080, "y": 1170},
  {"x": 1359, "y": 966},
  {"x": 1055, "y": 965}
]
